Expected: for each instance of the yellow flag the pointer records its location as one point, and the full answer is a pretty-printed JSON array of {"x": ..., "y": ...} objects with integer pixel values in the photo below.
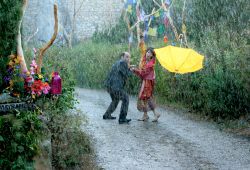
[
  {"x": 152, "y": 31},
  {"x": 157, "y": 14},
  {"x": 184, "y": 28},
  {"x": 129, "y": 9}
]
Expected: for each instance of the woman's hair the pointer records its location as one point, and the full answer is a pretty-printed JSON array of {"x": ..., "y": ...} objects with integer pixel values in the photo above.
[{"x": 151, "y": 49}]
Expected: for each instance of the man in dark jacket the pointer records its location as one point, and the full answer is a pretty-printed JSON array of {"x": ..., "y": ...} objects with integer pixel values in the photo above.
[{"x": 115, "y": 84}]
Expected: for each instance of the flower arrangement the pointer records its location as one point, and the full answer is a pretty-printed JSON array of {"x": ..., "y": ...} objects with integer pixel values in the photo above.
[
  {"x": 14, "y": 79},
  {"x": 36, "y": 84},
  {"x": 30, "y": 82}
]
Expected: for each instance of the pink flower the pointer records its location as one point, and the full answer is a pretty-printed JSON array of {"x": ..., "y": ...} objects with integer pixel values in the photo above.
[
  {"x": 32, "y": 72},
  {"x": 46, "y": 88},
  {"x": 33, "y": 64}
]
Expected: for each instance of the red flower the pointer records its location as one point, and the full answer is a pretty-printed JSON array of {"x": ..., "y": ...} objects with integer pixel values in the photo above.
[{"x": 37, "y": 87}]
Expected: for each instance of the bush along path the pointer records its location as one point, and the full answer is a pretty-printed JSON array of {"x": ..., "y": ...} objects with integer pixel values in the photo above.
[{"x": 175, "y": 142}]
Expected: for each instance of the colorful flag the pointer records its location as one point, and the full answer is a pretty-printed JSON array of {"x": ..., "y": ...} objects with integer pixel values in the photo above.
[
  {"x": 152, "y": 31},
  {"x": 184, "y": 28},
  {"x": 166, "y": 22},
  {"x": 168, "y": 2},
  {"x": 162, "y": 13},
  {"x": 161, "y": 29},
  {"x": 157, "y": 14},
  {"x": 130, "y": 39},
  {"x": 142, "y": 15},
  {"x": 130, "y": 1},
  {"x": 129, "y": 9},
  {"x": 145, "y": 34}
]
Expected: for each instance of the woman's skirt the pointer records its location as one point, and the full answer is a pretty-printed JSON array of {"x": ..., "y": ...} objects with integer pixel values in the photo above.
[{"x": 146, "y": 100}]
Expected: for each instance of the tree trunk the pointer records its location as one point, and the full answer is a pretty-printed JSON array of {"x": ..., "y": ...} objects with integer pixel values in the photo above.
[{"x": 19, "y": 40}]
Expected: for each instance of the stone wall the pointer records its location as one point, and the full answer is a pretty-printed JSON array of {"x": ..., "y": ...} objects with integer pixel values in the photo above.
[{"x": 92, "y": 14}]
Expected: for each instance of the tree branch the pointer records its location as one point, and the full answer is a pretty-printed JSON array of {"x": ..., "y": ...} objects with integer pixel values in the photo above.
[
  {"x": 146, "y": 16},
  {"x": 171, "y": 21},
  {"x": 78, "y": 8},
  {"x": 163, "y": 6},
  {"x": 31, "y": 36}
]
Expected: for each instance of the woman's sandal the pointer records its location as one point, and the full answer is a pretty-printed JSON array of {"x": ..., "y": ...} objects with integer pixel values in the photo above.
[
  {"x": 156, "y": 117},
  {"x": 144, "y": 118}
]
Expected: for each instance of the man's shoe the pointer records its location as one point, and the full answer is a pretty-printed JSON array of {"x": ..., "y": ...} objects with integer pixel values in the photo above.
[
  {"x": 122, "y": 121},
  {"x": 108, "y": 117}
]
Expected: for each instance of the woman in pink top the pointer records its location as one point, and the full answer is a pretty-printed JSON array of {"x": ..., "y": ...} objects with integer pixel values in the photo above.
[{"x": 147, "y": 74}]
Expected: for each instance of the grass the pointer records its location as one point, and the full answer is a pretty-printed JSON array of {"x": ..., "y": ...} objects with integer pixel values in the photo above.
[{"x": 210, "y": 92}]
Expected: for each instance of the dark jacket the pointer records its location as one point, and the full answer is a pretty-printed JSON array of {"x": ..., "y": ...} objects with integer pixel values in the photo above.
[{"x": 118, "y": 75}]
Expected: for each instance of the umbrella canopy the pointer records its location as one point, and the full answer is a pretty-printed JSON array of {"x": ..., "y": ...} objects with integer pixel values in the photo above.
[{"x": 179, "y": 60}]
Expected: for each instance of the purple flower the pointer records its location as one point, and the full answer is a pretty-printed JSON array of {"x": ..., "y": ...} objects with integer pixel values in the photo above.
[{"x": 6, "y": 79}]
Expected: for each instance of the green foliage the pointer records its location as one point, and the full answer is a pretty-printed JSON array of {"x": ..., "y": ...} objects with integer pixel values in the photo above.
[
  {"x": 9, "y": 17},
  {"x": 18, "y": 140},
  {"x": 212, "y": 14},
  {"x": 69, "y": 143},
  {"x": 221, "y": 89},
  {"x": 88, "y": 62},
  {"x": 20, "y": 131}
]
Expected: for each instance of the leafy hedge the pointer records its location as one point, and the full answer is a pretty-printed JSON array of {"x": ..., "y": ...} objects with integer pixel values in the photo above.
[
  {"x": 22, "y": 132},
  {"x": 19, "y": 142}
]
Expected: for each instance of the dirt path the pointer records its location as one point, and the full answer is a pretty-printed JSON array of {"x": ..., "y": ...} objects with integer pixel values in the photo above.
[{"x": 175, "y": 142}]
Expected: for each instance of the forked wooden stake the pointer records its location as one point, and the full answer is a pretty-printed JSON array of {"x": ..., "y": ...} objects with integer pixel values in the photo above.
[{"x": 42, "y": 50}]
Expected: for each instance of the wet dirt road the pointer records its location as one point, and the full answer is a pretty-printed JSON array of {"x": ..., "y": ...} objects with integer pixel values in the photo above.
[{"x": 175, "y": 142}]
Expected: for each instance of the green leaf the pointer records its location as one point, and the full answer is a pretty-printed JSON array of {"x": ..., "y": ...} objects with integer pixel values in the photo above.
[
  {"x": 20, "y": 149},
  {"x": 1, "y": 139}
]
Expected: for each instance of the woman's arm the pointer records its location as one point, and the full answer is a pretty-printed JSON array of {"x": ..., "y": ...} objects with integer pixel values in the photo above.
[{"x": 142, "y": 73}]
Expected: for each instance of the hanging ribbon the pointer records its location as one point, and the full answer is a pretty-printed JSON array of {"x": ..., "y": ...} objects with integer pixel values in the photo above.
[
  {"x": 166, "y": 21},
  {"x": 130, "y": 39},
  {"x": 167, "y": 2},
  {"x": 142, "y": 15},
  {"x": 161, "y": 29},
  {"x": 184, "y": 28}
]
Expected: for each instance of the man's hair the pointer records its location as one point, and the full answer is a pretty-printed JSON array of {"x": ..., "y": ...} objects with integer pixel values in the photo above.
[{"x": 122, "y": 54}]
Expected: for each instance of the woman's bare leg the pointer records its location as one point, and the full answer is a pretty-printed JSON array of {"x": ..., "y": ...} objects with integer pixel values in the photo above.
[
  {"x": 157, "y": 115},
  {"x": 144, "y": 117}
]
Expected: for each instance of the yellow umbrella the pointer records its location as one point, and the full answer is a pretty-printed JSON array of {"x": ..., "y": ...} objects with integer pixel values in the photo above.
[{"x": 179, "y": 60}]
